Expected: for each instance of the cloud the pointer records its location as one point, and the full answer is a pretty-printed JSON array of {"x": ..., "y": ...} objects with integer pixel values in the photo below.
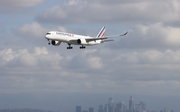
[
  {"x": 34, "y": 30},
  {"x": 85, "y": 61},
  {"x": 156, "y": 36},
  {"x": 95, "y": 62},
  {"x": 6, "y": 55},
  {"x": 145, "y": 58},
  {"x": 91, "y": 71},
  {"x": 80, "y": 11},
  {"x": 2, "y": 29},
  {"x": 14, "y": 5},
  {"x": 31, "y": 30},
  {"x": 40, "y": 51},
  {"x": 27, "y": 60},
  {"x": 23, "y": 57}
]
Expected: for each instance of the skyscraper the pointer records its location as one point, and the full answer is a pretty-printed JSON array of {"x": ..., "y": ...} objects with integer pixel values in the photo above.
[
  {"x": 78, "y": 108},
  {"x": 91, "y": 109},
  {"x": 100, "y": 108},
  {"x": 131, "y": 104},
  {"x": 143, "y": 105},
  {"x": 123, "y": 107},
  {"x": 110, "y": 105},
  {"x": 106, "y": 108},
  {"x": 165, "y": 110},
  {"x": 118, "y": 107}
]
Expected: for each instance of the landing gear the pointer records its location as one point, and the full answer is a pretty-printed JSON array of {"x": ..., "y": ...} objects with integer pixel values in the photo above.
[
  {"x": 69, "y": 47},
  {"x": 82, "y": 47},
  {"x": 48, "y": 41}
]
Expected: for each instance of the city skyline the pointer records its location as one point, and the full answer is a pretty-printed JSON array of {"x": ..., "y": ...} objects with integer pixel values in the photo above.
[
  {"x": 112, "y": 106},
  {"x": 108, "y": 106}
]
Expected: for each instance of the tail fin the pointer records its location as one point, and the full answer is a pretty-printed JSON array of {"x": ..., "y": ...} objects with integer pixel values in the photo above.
[{"x": 101, "y": 33}]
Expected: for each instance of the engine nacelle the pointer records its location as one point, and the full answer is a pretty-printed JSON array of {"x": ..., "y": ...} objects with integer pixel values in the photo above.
[
  {"x": 55, "y": 43},
  {"x": 81, "y": 41}
]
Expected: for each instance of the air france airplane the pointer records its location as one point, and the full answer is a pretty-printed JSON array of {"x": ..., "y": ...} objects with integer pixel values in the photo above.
[{"x": 56, "y": 38}]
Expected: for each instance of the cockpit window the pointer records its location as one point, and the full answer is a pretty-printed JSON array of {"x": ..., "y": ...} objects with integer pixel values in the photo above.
[{"x": 48, "y": 33}]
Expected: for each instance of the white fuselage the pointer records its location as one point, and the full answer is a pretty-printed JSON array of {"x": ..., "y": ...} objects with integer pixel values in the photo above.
[{"x": 71, "y": 38}]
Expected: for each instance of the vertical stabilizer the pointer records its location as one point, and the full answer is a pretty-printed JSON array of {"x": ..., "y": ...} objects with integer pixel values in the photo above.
[{"x": 101, "y": 33}]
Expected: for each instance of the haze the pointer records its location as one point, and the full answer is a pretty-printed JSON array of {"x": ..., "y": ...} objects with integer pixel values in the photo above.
[{"x": 144, "y": 64}]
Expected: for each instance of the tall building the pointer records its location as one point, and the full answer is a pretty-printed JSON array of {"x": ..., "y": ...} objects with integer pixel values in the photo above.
[
  {"x": 143, "y": 105},
  {"x": 110, "y": 105},
  {"x": 139, "y": 108},
  {"x": 100, "y": 108},
  {"x": 165, "y": 110},
  {"x": 91, "y": 109},
  {"x": 78, "y": 108},
  {"x": 120, "y": 107},
  {"x": 131, "y": 104},
  {"x": 106, "y": 108},
  {"x": 123, "y": 108}
]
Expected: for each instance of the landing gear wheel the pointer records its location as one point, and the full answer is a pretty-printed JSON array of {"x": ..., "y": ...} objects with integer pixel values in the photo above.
[
  {"x": 48, "y": 41},
  {"x": 82, "y": 47},
  {"x": 69, "y": 47}
]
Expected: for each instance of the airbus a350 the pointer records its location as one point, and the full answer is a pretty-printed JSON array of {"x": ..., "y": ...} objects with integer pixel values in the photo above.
[{"x": 56, "y": 38}]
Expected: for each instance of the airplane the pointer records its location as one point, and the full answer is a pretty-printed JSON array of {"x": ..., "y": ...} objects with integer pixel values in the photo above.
[{"x": 56, "y": 38}]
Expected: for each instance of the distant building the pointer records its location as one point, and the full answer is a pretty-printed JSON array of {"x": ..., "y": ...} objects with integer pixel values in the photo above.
[
  {"x": 143, "y": 105},
  {"x": 91, "y": 109},
  {"x": 100, "y": 108},
  {"x": 138, "y": 108},
  {"x": 131, "y": 104},
  {"x": 120, "y": 107},
  {"x": 165, "y": 110},
  {"x": 117, "y": 109},
  {"x": 78, "y": 108},
  {"x": 111, "y": 105},
  {"x": 106, "y": 108},
  {"x": 85, "y": 111}
]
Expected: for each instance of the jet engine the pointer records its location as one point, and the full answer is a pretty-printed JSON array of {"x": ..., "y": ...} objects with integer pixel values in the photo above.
[
  {"x": 81, "y": 41},
  {"x": 55, "y": 43}
]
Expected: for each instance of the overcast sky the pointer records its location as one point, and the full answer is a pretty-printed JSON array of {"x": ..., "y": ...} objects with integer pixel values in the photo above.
[{"x": 144, "y": 64}]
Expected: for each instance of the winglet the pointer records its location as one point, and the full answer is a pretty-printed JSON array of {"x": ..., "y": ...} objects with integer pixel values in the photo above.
[{"x": 124, "y": 34}]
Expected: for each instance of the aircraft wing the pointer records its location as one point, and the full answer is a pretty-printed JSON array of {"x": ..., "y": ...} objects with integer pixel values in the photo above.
[
  {"x": 116, "y": 35},
  {"x": 103, "y": 38},
  {"x": 94, "y": 39}
]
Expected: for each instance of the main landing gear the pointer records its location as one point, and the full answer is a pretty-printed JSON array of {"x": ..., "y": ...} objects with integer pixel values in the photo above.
[
  {"x": 82, "y": 47},
  {"x": 69, "y": 47}
]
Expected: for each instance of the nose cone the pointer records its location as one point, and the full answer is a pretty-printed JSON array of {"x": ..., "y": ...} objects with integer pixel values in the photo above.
[{"x": 46, "y": 36}]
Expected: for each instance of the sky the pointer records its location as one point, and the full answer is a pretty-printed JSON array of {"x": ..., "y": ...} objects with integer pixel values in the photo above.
[{"x": 144, "y": 64}]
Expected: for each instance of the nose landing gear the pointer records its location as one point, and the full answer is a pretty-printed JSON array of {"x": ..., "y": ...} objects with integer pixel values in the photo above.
[{"x": 48, "y": 41}]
